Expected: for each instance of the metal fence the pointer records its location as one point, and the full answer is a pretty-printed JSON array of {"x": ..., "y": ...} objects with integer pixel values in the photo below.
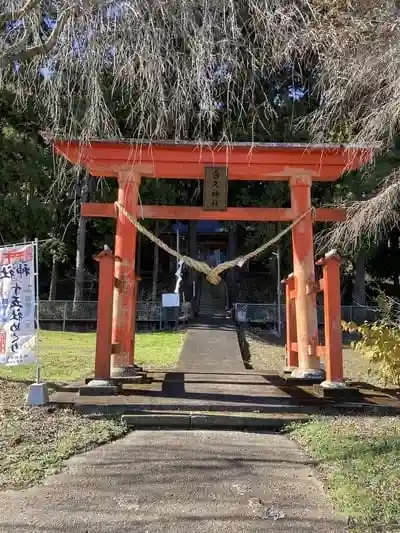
[
  {"x": 270, "y": 314},
  {"x": 68, "y": 311}
]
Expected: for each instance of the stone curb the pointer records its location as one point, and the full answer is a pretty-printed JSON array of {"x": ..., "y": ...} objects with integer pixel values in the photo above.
[
  {"x": 205, "y": 421},
  {"x": 240, "y": 422},
  {"x": 157, "y": 421}
]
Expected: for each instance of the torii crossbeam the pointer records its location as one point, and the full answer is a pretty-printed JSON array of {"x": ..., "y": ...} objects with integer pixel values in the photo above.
[{"x": 298, "y": 164}]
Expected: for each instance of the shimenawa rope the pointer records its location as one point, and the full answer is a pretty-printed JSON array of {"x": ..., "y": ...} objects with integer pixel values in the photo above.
[{"x": 213, "y": 274}]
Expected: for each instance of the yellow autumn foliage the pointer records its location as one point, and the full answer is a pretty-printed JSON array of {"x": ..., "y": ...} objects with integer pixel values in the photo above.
[{"x": 380, "y": 343}]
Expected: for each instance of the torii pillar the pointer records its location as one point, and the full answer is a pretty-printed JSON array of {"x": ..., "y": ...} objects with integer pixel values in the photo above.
[
  {"x": 124, "y": 301},
  {"x": 304, "y": 280}
]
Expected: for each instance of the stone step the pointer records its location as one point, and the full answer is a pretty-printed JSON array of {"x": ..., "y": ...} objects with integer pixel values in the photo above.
[{"x": 212, "y": 421}]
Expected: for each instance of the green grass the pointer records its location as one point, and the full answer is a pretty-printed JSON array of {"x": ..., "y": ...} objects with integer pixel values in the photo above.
[
  {"x": 360, "y": 459},
  {"x": 69, "y": 356}
]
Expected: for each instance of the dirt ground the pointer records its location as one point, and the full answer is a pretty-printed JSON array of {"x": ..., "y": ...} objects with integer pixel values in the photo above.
[
  {"x": 35, "y": 441},
  {"x": 267, "y": 352}
]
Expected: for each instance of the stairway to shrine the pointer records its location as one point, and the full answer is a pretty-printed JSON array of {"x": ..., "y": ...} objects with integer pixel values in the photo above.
[
  {"x": 211, "y": 345},
  {"x": 212, "y": 299}
]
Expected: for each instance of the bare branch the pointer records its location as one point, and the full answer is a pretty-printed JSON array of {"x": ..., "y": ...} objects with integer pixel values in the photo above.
[
  {"x": 367, "y": 220},
  {"x": 21, "y": 52},
  {"x": 18, "y": 13},
  {"x": 198, "y": 69}
]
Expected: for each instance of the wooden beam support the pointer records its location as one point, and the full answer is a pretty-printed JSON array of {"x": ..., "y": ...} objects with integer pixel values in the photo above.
[
  {"x": 125, "y": 279},
  {"x": 332, "y": 319},
  {"x": 292, "y": 360},
  {"x": 294, "y": 347},
  {"x": 104, "y": 315},
  {"x": 245, "y": 161},
  {"x": 177, "y": 212},
  {"x": 292, "y": 294},
  {"x": 261, "y": 214},
  {"x": 98, "y": 210},
  {"x": 181, "y": 170},
  {"x": 330, "y": 214},
  {"x": 304, "y": 273}
]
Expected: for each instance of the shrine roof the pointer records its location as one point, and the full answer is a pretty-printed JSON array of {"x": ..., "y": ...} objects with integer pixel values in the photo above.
[{"x": 187, "y": 159}]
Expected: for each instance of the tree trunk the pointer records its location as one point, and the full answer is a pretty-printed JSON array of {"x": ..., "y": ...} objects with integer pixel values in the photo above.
[
  {"x": 82, "y": 197},
  {"x": 53, "y": 280},
  {"x": 359, "y": 280},
  {"x": 27, "y": 203},
  {"x": 394, "y": 245},
  {"x": 155, "y": 264}
]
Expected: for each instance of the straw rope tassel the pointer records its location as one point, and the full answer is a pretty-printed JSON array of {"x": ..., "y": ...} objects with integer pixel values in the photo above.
[{"x": 213, "y": 275}]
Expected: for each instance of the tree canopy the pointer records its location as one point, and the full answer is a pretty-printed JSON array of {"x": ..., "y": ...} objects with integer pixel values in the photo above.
[
  {"x": 212, "y": 70},
  {"x": 204, "y": 69}
]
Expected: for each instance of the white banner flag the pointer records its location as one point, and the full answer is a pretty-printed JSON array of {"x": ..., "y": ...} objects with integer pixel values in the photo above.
[{"x": 17, "y": 305}]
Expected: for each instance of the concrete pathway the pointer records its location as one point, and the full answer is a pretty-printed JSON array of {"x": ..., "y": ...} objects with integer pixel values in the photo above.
[
  {"x": 210, "y": 376},
  {"x": 175, "y": 482},
  {"x": 211, "y": 345}
]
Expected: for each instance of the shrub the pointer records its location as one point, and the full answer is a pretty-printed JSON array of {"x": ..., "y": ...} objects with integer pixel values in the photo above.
[{"x": 380, "y": 343}]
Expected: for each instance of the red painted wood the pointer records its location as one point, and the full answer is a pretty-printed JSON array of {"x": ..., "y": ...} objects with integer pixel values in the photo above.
[
  {"x": 104, "y": 315},
  {"x": 125, "y": 249},
  {"x": 303, "y": 269},
  {"x": 320, "y": 349},
  {"x": 232, "y": 213},
  {"x": 332, "y": 319},
  {"x": 95, "y": 210},
  {"x": 237, "y": 171},
  {"x": 258, "y": 162},
  {"x": 330, "y": 214},
  {"x": 292, "y": 359},
  {"x": 167, "y": 212}
]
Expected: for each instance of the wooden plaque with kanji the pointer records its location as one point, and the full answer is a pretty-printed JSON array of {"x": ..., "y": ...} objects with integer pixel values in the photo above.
[{"x": 215, "y": 194}]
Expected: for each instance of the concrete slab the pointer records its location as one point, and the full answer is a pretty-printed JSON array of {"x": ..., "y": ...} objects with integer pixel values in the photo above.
[
  {"x": 106, "y": 390},
  {"x": 207, "y": 420},
  {"x": 243, "y": 421},
  {"x": 211, "y": 345},
  {"x": 158, "y": 420},
  {"x": 211, "y": 377},
  {"x": 291, "y": 380},
  {"x": 175, "y": 482},
  {"x": 345, "y": 394},
  {"x": 138, "y": 378}
]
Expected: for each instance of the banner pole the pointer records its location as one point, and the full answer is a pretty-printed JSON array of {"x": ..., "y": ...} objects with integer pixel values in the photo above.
[{"x": 37, "y": 309}]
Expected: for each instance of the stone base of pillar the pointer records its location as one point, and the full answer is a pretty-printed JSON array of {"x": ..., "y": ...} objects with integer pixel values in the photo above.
[
  {"x": 139, "y": 377},
  {"x": 99, "y": 387},
  {"x": 336, "y": 391},
  {"x": 130, "y": 380},
  {"x": 287, "y": 370},
  {"x": 333, "y": 385},
  {"x": 125, "y": 371},
  {"x": 317, "y": 374},
  {"x": 301, "y": 376}
]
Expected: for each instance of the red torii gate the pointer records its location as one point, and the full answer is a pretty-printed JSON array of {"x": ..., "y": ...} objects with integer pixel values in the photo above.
[{"x": 298, "y": 164}]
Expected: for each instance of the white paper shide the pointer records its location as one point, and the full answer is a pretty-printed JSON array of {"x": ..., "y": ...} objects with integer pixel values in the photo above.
[{"x": 17, "y": 305}]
